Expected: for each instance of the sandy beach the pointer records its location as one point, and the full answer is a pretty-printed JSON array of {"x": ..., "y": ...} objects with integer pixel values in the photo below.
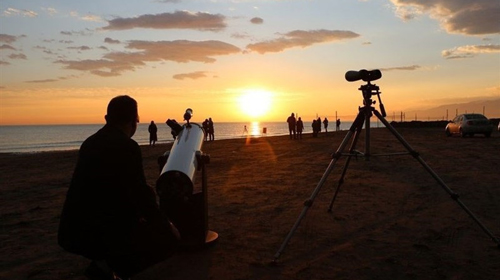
[{"x": 391, "y": 219}]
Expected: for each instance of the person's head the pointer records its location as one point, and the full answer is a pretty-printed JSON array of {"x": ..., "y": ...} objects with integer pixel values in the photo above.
[
  {"x": 122, "y": 113},
  {"x": 293, "y": 115}
]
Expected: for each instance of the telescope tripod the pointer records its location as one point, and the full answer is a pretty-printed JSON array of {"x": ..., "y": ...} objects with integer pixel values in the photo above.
[{"x": 363, "y": 117}]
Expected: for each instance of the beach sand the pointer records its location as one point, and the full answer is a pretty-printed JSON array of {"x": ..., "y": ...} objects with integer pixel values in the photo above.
[{"x": 391, "y": 219}]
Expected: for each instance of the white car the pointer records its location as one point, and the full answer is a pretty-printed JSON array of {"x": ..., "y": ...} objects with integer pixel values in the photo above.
[{"x": 469, "y": 124}]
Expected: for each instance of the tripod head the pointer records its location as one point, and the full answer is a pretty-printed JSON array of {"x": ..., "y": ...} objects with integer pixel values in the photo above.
[{"x": 369, "y": 89}]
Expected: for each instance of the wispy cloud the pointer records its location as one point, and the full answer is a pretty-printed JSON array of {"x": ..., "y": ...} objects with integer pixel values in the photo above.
[
  {"x": 398, "y": 68},
  {"x": 257, "y": 20},
  {"x": 465, "y": 17},
  {"x": 7, "y": 47},
  {"x": 469, "y": 51},
  {"x": 111, "y": 41},
  {"x": 15, "y": 12},
  {"x": 301, "y": 38},
  {"x": 17, "y": 56},
  {"x": 193, "y": 75},
  {"x": 176, "y": 20},
  {"x": 41, "y": 81},
  {"x": 7, "y": 38},
  {"x": 181, "y": 51}
]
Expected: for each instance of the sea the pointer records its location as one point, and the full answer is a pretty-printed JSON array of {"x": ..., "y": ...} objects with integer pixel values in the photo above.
[{"x": 41, "y": 138}]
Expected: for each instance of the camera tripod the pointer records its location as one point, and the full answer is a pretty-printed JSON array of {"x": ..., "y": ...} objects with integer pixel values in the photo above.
[{"x": 363, "y": 117}]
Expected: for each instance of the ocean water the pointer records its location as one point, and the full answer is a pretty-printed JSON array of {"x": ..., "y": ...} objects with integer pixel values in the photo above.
[{"x": 39, "y": 138}]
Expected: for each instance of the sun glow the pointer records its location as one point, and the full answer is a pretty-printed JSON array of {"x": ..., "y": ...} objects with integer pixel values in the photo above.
[{"x": 255, "y": 102}]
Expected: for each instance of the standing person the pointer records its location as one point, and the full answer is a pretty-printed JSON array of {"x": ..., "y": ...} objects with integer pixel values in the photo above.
[
  {"x": 205, "y": 129},
  {"x": 300, "y": 127},
  {"x": 325, "y": 123},
  {"x": 211, "y": 132},
  {"x": 314, "y": 128},
  {"x": 153, "y": 137},
  {"x": 291, "y": 126},
  {"x": 338, "y": 124},
  {"x": 110, "y": 214}
]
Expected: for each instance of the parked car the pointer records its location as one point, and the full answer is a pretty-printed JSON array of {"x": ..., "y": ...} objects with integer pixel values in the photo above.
[{"x": 469, "y": 124}]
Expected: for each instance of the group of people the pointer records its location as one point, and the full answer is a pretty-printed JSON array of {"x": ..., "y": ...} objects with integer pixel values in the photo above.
[
  {"x": 296, "y": 126},
  {"x": 208, "y": 127}
]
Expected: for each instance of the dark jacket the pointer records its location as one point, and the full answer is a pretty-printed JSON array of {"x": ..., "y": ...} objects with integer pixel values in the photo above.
[{"x": 108, "y": 198}]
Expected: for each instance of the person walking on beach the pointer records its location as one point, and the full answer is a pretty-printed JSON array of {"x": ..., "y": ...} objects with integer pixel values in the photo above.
[
  {"x": 153, "y": 137},
  {"x": 211, "y": 132},
  {"x": 300, "y": 127},
  {"x": 291, "y": 126},
  {"x": 110, "y": 214},
  {"x": 338, "y": 124},
  {"x": 325, "y": 123}
]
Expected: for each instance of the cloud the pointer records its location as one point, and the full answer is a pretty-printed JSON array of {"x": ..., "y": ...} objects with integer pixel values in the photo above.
[
  {"x": 476, "y": 17},
  {"x": 41, "y": 81},
  {"x": 257, "y": 20},
  {"x": 50, "y": 11},
  {"x": 113, "y": 64},
  {"x": 469, "y": 51},
  {"x": 92, "y": 18},
  {"x": 406, "y": 68},
  {"x": 177, "y": 20},
  {"x": 301, "y": 38},
  {"x": 85, "y": 32},
  {"x": 80, "y": 48},
  {"x": 4, "y": 62},
  {"x": 193, "y": 75},
  {"x": 7, "y": 38},
  {"x": 17, "y": 56},
  {"x": 111, "y": 41},
  {"x": 7, "y": 47},
  {"x": 16, "y": 12}
]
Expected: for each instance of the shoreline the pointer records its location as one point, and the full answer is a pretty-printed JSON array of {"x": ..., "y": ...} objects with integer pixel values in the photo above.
[{"x": 390, "y": 220}]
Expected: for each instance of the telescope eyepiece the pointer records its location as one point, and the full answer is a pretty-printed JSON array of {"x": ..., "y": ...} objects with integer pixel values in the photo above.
[{"x": 363, "y": 74}]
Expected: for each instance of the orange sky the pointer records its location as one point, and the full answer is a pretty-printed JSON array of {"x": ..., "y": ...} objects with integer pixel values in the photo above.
[{"x": 62, "y": 63}]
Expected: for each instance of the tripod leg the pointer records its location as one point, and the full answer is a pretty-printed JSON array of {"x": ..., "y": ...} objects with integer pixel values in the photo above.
[
  {"x": 452, "y": 194},
  {"x": 308, "y": 203},
  {"x": 344, "y": 170}
]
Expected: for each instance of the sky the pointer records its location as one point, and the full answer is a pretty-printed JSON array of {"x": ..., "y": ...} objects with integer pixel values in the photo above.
[{"x": 240, "y": 60}]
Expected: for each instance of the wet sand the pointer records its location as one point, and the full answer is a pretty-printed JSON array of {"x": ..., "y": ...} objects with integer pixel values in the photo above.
[{"x": 391, "y": 219}]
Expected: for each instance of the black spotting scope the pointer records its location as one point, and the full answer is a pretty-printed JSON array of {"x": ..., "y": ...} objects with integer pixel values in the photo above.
[{"x": 363, "y": 74}]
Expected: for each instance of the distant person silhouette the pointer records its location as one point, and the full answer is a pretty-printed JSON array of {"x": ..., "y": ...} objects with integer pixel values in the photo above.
[
  {"x": 211, "y": 132},
  {"x": 205, "y": 129},
  {"x": 110, "y": 214},
  {"x": 153, "y": 137},
  {"x": 338, "y": 124},
  {"x": 314, "y": 127},
  {"x": 245, "y": 130},
  {"x": 325, "y": 123},
  {"x": 300, "y": 128},
  {"x": 291, "y": 126}
]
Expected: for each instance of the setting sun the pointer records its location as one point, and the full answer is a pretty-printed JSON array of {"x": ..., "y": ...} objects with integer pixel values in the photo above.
[{"x": 255, "y": 102}]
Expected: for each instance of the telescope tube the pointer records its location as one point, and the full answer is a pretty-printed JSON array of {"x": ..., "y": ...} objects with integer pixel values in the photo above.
[{"x": 176, "y": 179}]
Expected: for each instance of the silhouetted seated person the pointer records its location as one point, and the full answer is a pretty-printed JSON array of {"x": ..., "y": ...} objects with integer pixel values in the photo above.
[{"x": 110, "y": 215}]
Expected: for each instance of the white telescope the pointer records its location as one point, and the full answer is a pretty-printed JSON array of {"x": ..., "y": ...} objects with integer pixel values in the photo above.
[
  {"x": 177, "y": 175},
  {"x": 188, "y": 211}
]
